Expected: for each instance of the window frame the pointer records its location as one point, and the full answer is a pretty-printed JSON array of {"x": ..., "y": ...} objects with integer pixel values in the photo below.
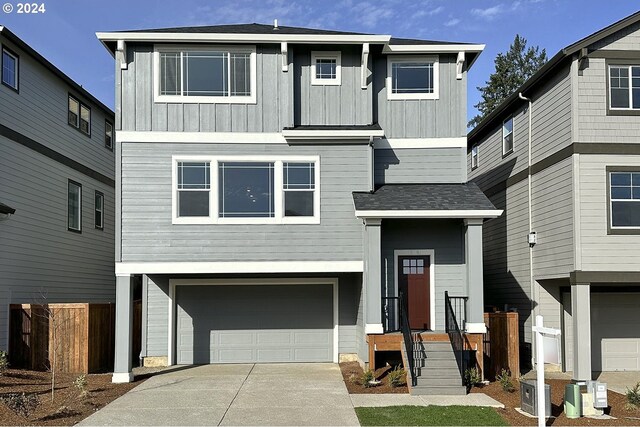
[
  {"x": 16, "y": 58},
  {"x": 621, "y": 110},
  {"x": 110, "y": 146},
  {"x": 326, "y": 54},
  {"x": 214, "y": 218},
  {"x": 81, "y": 104},
  {"x": 69, "y": 228},
  {"x": 505, "y": 153},
  {"x": 475, "y": 157},
  {"x": 434, "y": 59},
  {"x": 184, "y": 99},
  {"x": 98, "y": 194},
  {"x": 611, "y": 230}
]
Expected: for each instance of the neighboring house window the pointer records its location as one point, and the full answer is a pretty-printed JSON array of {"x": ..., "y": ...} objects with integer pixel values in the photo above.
[
  {"x": 624, "y": 195},
  {"x": 74, "y": 206},
  {"x": 624, "y": 86},
  {"x": 242, "y": 190},
  {"x": 204, "y": 75},
  {"x": 79, "y": 116},
  {"x": 9, "y": 69},
  {"x": 326, "y": 68},
  {"x": 99, "y": 210},
  {"x": 474, "y": 157},
  {"x": 412, "y": 77},
  {"x": 507, "y": 136},
  {"x": 108, "y": 134}
]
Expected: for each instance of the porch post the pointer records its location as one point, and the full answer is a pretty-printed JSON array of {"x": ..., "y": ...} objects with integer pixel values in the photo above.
[
  {"x": 475, "y": 282},
  {"x": 373, "y": 276},
  {"x": 124, "y": 324},
  {"x": 581, "y": 314}
]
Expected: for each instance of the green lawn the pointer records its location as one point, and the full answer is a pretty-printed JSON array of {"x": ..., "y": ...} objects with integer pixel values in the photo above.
[{"x": 429, "y": 416}]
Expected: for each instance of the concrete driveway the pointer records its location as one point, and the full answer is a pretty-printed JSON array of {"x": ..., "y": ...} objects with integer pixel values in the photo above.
[{"x": 273, "y": 394}]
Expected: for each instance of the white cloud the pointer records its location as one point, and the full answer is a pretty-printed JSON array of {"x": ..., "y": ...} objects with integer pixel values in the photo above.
[
  {"x": 488, "y": 13},
  {"x": 452, "y": 22}
]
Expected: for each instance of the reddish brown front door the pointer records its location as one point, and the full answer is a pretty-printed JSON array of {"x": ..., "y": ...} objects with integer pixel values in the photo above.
[{"x": 413, "y": 282}]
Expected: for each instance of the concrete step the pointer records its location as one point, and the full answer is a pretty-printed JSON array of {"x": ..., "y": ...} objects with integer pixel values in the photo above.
[{"x": 439, "y": 390}]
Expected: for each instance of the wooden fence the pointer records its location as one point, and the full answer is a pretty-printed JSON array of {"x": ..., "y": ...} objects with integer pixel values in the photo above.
[
  {"x": 75, "y": 338},
  {"x": 501, "y": 344}
]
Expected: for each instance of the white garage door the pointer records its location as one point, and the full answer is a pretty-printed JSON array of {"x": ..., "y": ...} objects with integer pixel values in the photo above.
[{"x": 254, "y": 323}]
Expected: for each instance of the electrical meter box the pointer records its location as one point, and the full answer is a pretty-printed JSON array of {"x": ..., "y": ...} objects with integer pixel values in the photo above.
[
  {"x": 528, "y": 398},
  {"x": 599, "y": 392}
]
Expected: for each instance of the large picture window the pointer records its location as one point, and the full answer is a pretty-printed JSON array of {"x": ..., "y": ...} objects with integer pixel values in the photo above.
[
  {"x": 220, "y": 75},
  {"x": 624, "y": 87},
  {"x": 624, "y": 194},
  {"x": 412, "y": 78},
  {"x": 246, "y": 190}
]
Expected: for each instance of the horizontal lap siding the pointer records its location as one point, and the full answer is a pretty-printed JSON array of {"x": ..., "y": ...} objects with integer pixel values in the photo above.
[
  {"x": 420, "y": 165},
  {"x": 148, "y": 234}
]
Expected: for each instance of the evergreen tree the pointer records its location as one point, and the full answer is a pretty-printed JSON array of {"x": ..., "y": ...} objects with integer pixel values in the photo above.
[{"x": 512, "y": 70}]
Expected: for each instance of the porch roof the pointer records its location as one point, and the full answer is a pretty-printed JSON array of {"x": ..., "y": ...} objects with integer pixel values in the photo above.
[{"x": 424, "y": 201}]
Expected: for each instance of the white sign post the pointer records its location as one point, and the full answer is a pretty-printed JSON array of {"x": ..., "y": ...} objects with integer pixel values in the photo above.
[{"x": 540, "y": 332}]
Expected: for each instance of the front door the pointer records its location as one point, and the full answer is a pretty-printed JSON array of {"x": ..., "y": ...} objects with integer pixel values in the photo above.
[{"x": 413, "y": 282}]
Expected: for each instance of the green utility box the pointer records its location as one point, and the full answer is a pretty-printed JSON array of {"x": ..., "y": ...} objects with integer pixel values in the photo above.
[{"x": 572, "y": 400}]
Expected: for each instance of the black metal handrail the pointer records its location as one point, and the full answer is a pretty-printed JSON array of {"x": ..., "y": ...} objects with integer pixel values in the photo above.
[
  {"x": 408, "y": 338},
  {"x": 456, "y": 306},
  {"x": 390, "y": 314}
]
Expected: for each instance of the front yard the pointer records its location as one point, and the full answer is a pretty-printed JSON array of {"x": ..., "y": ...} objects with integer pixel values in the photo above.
[{"x": 429, "y": 416}]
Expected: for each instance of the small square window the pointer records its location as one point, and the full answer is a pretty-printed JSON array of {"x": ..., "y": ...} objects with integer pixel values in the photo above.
[
  {"x": 507, "y": 136},
  {"x": 108, "y": 135},
  {"x": 326, "y": 68},
  {"x": 9, "y": 69}
]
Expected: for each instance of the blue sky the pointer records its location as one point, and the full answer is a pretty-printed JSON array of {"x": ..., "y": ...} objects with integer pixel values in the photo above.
[{"x": 65, "y": 33}]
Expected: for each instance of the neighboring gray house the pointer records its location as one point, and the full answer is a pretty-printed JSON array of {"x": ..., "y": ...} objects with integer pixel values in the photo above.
[
  {"x": 565, "y": 164},
  {"x": 56, "y": 186},
  {"x": 270, "y": 179}
]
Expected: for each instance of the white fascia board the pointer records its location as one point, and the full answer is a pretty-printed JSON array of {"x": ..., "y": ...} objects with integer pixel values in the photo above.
[
  {"x": 393, "y": 143},
  {"x": 202, "y": 137},
  {"x": 323, "y": 134},
  {"x": 433, "y": 48},
  {"x": 429, "y": 213},
  {"x": 239, "y": 267},
  {"x": 244, "y": 38}
]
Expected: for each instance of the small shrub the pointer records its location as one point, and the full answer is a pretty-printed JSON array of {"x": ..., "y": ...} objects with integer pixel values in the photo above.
[
  {"x": 472, "y": 375},
  {"x": 397, "y": 377},
  {"x": 366, "y": 378},
  {"x": 353, "y": 379},
  {"x": 633, "y": 397},
  {"x": 504, "y": 378},
  {"x": 21, "y": 403},
  {"x": 4, "y": 362},
  {"x": 81, "y": 384}
]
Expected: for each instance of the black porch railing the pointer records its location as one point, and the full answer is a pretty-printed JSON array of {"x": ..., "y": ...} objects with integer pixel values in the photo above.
[{"x": 455, "y": 315}]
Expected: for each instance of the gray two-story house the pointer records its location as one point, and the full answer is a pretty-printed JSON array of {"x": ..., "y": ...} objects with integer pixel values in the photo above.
[
  {"x": 561, "y": 156},
  {"x": 57, "y": 188},
  {"x": 278, "y": 188}
]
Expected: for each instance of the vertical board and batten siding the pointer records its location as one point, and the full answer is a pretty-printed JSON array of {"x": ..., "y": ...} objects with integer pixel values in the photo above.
[
  {"x": 446, "y": 238},
  {"x": 39, "y": 258},
  {"x": 350, "y": 330},
  {"x": 420, "y": 166},
  {"x": 148, "y": 233},
  {"x": 272, "y": 111},
  {"x": 40, "y": 112},
  {"x": 445, "y": 117},
  {"x": 344, "y": 104},
  {"x": 599, "y": 250}
]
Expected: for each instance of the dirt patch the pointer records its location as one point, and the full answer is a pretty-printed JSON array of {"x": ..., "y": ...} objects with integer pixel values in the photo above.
[
  {"x": 68, "y": 407},
  {"x": 512, "y": 400},
  {"x": 352, "y": 372}
]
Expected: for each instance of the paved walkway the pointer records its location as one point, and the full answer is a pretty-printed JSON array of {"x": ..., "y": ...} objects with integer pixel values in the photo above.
[{"x": 471, "y": 399}]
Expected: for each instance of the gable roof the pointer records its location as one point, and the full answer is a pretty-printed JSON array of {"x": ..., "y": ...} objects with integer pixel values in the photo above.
[
  {"x": 560, "y": 58},
  {"x": 253, "y": 28}
]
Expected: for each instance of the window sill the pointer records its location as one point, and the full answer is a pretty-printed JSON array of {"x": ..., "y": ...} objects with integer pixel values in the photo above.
[
  {"x": 73, "y": 230},
  {"x": 623, "y": 231},
  {"x": 507, "y": 153},
  {"x": 88, "y": 135},
  {"x": 623, "y": 112},
  {"x": 408, "y": 96},
  {"x": 327, "y": 82},
  {"x": 15, "y": 89},
  {"x": 205, "y": 99},
  {"x": 246, "y": 221}
]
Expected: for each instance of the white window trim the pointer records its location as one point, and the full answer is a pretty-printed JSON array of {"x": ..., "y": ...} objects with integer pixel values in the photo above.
[
  {"x": 513, "y": 140},
  {"x": 628, "y": 66},
  {"x": 611, "y": 200},
  {"x": 203, "y": 99},
  {"x": 337, "y": 55},
  {"x": 475, "y": 157},
  {"x": 431, "y": 253},
  {"x": 15, "y": 70},
  {"x": 213, "y": 217},
  {"x": 409, "y": 58}
]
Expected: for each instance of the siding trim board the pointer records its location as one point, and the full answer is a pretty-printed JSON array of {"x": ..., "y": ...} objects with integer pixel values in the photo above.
[
  {"x": 55, "y": 156},
  {"x": 248, "y": 267},
  {"x": 604, "y": 277},
  {"x": 201, "y": 137}
]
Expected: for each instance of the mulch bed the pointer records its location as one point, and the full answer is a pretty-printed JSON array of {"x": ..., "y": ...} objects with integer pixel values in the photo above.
[
  {"x": 512, "y": 400},
  {"x": 352, "y": 372},
  {"x": 68, "y": 407}
]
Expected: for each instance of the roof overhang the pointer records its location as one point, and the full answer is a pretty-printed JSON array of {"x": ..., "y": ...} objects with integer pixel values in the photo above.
[
  {"x": 433, "y": 214},
  {"x": 432, "y": 48},
  {"x": 332, "y": 135}
]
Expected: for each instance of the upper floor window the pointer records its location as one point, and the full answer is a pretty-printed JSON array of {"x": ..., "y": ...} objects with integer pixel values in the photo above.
[
  {"x": 79, "y": 116},
  {"x": 9, "y": 69},
  {"x": 624, "y": 192},
  {"x": 258, "y": 190},
  {"x": 507, "y": 136},
  {"x": 207, "y": 75},
  {"x": 108, "y": 134},
  {"x": 412, "y": 77},
  {"x": 624, "y": 87},
  {"x": 326, "y": 68},
  {"x": 474, "y": 157},
  {"x": 99, "y": 210},
  {"x": 74, "y": 206}
]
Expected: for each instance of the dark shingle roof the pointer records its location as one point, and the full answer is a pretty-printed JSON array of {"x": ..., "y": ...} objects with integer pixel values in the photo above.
[
  {"x": 4, "y": 209},
  {"x": 410, "y": 197},
  {"x": 245, "y": 29}
]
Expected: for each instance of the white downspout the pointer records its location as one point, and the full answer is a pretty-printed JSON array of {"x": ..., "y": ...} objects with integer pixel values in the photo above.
[
  {"x": 534, "y": 297},
  {"x": 372, "y": 167}
]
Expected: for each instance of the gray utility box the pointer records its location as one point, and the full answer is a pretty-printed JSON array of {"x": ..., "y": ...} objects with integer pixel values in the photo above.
[
  {"x": 528, "y": 398},
  {"x": 599, "y": 392}
]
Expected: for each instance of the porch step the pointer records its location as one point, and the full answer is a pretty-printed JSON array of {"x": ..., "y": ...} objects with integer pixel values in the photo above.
[
  {"x": 439, "y": 390},
  {"x": 428, "y": 381},
  {"x": 440, "y": 363},
  {"x": 440, "y": 373}
]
